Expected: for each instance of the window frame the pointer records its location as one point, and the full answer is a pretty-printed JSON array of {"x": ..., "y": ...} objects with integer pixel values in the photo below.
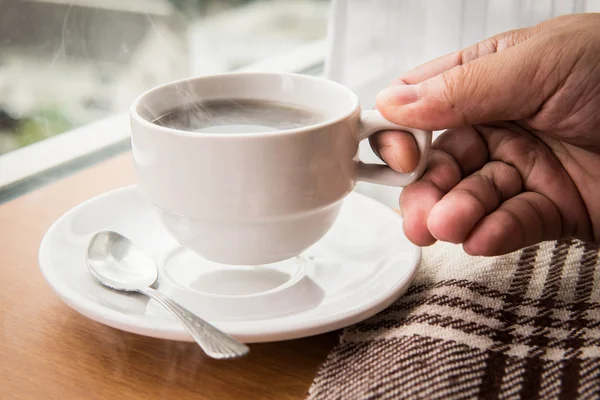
[{"x": 27, "y": 168}]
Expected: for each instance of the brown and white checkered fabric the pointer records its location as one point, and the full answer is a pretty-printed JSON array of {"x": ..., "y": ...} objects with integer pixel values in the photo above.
[{"x": 521, "y": 326}]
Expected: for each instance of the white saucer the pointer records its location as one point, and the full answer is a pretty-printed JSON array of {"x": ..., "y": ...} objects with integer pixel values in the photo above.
[{"x": 359, "y": 268}]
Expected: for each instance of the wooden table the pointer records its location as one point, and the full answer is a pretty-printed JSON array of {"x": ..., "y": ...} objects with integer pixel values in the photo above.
[{"x": 48, "y": 351}]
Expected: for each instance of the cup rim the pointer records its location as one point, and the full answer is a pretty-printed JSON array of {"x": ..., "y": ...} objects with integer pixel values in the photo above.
[{"x": 136, "y": 117}]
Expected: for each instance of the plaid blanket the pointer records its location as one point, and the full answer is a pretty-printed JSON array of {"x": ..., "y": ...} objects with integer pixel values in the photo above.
[{"x": 521, "y": 326}]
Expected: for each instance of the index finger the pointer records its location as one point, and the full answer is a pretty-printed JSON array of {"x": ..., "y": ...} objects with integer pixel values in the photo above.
[{"x": 488, "y": 46}]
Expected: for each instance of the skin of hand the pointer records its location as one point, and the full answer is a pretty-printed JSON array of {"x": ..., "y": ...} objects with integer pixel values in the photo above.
[{"x": 519, "y": 162}]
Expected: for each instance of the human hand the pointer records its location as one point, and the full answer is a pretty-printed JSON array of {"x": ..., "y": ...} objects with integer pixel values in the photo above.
[{"x": 519, "y": 162}]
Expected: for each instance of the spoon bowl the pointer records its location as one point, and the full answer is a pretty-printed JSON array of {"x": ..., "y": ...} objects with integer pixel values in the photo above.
[{"x": 119, "y": 264}]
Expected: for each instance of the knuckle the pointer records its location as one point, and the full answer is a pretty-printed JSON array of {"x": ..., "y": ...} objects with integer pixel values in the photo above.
[
  {"x": 523, "y": 153},
  {"x": 443, "y": 171},
  {"x": 480, "y": 49},
  {"x": 487, "y": 46},
  {"x": 504, "y": 179},
  {"x": 449, "y": 84},
  {"x": 513, "y": 37},
  {"x": 454, "y": 84},
  {"x": 531, "y": 157},
  {"x": 500, "y": 171}
]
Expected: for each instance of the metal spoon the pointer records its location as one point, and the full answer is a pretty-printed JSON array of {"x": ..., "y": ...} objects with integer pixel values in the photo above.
[{"x": 118, "y": 264}]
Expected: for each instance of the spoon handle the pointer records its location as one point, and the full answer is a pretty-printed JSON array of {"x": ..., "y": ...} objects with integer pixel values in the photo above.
[{"x": 214, "y": 342}]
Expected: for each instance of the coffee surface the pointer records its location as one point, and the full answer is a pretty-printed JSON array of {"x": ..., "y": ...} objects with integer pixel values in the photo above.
[{"x": 239, "y": 116}]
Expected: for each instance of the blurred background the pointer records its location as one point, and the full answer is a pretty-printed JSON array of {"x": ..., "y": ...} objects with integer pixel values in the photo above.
[
  {"x": 76, "y": 65},
  {"x": 66, "y": 63}
]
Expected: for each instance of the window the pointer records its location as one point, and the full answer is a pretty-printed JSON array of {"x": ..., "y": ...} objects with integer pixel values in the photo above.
[{"x": 67, "y": 63}]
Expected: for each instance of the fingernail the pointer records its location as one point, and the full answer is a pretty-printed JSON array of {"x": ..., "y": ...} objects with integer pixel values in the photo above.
[{"x": 400, "y": 95}]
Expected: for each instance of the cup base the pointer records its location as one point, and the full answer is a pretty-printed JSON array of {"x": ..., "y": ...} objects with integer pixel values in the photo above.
[{"x": 255, "y": 241}]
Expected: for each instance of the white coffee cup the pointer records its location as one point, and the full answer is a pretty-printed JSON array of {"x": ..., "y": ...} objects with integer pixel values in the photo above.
[{"x": 257, "y": 198}]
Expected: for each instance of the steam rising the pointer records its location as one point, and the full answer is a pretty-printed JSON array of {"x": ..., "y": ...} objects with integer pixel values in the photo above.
[{"x": 239, "y": 116}]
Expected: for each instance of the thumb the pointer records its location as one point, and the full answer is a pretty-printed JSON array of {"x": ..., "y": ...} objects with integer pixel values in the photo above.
[{"x": 499, "y": 86}]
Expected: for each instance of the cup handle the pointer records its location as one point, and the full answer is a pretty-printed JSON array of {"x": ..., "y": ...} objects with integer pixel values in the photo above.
[{"x": 371, "y": 121}]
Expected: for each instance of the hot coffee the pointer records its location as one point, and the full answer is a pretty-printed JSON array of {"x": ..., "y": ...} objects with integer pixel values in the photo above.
[{"x": 239, "y": 116}]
